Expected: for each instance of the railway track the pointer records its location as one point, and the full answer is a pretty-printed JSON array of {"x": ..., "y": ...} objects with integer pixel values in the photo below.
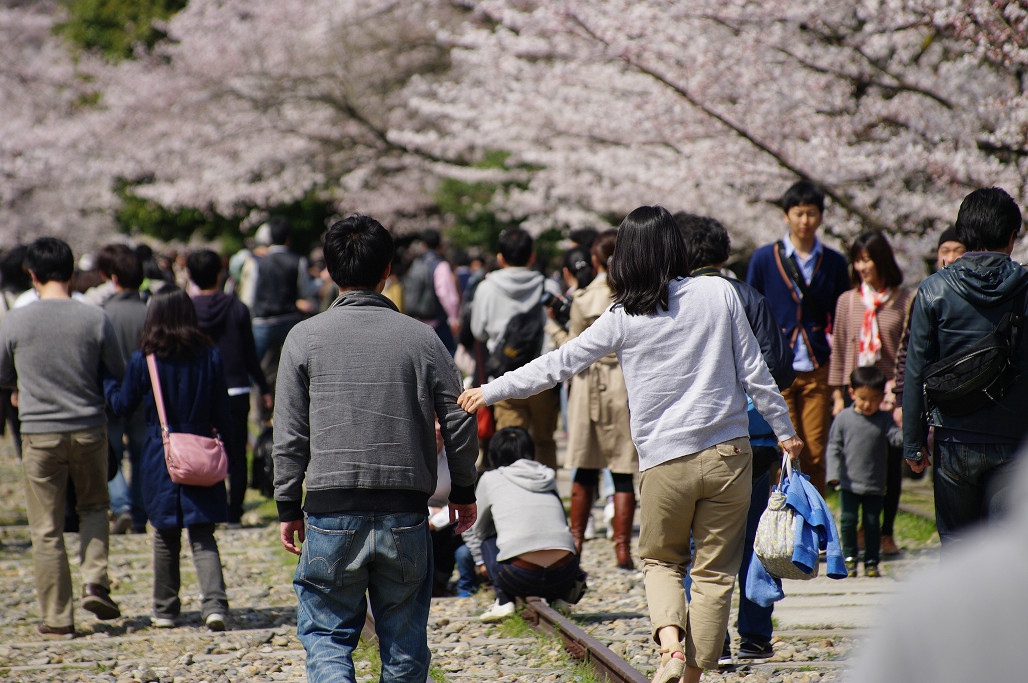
[{"x": 606, "y": 664}]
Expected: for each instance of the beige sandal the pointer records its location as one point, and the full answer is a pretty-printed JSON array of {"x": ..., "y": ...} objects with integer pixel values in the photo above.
[{"x": 671, "y": 668}]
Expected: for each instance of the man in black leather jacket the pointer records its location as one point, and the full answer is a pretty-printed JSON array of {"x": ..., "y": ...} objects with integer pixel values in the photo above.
[{"x": 953, "y": 309}]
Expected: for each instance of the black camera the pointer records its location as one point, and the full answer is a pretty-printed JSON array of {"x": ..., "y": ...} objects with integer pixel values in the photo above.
[{"x": 560, "y": 306}]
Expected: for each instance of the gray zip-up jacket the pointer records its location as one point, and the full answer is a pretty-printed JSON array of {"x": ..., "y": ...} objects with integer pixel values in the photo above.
[{"x": 359, "y": 389}]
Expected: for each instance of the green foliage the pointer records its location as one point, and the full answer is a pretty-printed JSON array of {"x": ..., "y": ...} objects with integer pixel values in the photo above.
[
  {"x": 115, "y": 27},
  {"x": 475, "y": 223},
  {"x": 137, "y": 215}
]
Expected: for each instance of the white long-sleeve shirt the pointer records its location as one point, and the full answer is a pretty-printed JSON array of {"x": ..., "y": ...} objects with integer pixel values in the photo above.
[{"x": 688, "y": 371}]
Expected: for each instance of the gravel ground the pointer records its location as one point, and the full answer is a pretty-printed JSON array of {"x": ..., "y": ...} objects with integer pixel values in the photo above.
[{"x": 261, "y": 644}]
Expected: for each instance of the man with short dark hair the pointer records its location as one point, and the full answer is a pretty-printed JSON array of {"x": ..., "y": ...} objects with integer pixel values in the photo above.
[
  {"x": 954, "y": 308},
  {"x": 802, "y": 280},
  {"x": 226, "y": 320},
  {"x": 516, "y": 288},
  {"x": 126, "y": 309},
  {"x": 52, "y": 352},
  {"x": 360, "y": 387}
]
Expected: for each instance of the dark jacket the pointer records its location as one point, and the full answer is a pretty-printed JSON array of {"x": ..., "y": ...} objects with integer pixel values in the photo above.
[
  {"x": 953, "y": 309},
  {"x": 776, "y": 351},
  {"x": 226, "y": 320},
  {"x": 195, "y": 400},
  {"x": 359, "y": 389},
  {"x": 831, "y": 279},
  {"x": 278, "y": 283}
]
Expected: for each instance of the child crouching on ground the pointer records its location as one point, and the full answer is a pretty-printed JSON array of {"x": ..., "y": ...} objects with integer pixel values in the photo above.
[{"x": 856, "y": 458}]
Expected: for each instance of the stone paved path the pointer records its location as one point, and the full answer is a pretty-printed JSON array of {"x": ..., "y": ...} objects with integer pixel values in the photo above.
[{"x": 816, "y": 624}]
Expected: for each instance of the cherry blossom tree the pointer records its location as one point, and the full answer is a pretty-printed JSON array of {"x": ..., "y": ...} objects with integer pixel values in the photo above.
[{"x": 896, "y": 107}]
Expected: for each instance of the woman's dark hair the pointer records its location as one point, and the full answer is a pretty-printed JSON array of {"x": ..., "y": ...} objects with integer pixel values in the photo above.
[
  {"x": 649, "y": 254},
  {"x": 880, "y": 252},
  {"x": 509, "y": 445},
  {"x": 579, "y": 263},
  {"x": 171, "y": 329},
  {"x": 603, "y": 246}
]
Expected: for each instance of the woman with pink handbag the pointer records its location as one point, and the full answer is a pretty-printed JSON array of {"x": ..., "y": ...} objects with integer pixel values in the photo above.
[{"x": 191, "y": 390}]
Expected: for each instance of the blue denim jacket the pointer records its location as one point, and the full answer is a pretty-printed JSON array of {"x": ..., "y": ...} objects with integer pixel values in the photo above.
[{"x": 816, "y": 532}]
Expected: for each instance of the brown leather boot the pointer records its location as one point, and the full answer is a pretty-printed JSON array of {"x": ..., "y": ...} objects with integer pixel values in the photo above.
[
  {"x": 582, "y": 498},
  {"x": 624, "y": 514}
]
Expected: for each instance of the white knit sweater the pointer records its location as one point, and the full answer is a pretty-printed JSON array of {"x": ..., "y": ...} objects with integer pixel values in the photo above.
[{"x": 688, "y": 371}]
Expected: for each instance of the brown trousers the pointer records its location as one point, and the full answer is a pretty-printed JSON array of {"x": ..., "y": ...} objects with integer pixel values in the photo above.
[
  {"x": 48, "y": 460},
  {"x": 706, "y": 494},
  {"x": 810, "y": 409},
  {"x": 538, "y": 414}
]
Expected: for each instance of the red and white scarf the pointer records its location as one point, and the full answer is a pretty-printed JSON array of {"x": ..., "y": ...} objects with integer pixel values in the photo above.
[{"x": 870, "y": 344}]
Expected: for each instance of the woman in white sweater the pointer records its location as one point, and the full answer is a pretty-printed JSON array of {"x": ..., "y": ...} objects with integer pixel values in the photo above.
[{"x": 689, "y": 360}]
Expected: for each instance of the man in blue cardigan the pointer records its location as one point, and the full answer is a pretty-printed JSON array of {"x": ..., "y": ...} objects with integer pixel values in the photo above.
[{"x": 804, "y": 312}]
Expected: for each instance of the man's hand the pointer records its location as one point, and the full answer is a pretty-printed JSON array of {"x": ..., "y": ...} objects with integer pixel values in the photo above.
[
  {"x": 917, "y": 466},
  {"x": 463, "y": 515},
  {"x": 14, "y": 398},
  {"x": 793, "y": 446},
  {"x": 268, "y": 401},
  {"x": 471, "y": 400},
  {"x": 288, "y": 531}
]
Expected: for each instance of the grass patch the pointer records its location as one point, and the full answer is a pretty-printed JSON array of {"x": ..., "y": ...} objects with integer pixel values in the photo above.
[{"x": 367, "y": 660}]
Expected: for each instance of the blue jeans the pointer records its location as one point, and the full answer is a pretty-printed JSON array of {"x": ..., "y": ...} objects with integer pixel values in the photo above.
[
  {"x": 134, "y": 428},
  {"x": 969, "y": 483},
  {"x": 754, "y": 621},
  {"x": 511, "y": 582},
  {"x": 388, "y": 556},
  {"x": 467, "y": 577},
  {"x": 272, "y": 334}
]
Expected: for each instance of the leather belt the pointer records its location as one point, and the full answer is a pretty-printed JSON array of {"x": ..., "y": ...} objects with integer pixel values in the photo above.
[{"x": 525, "y": 564}]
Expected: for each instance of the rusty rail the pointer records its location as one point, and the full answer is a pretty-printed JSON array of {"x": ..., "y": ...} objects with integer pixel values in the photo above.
[{"x": 579, "y": 644}]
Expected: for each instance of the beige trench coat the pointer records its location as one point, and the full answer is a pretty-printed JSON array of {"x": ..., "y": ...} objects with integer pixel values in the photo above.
[{"x": 599, "y": 434}]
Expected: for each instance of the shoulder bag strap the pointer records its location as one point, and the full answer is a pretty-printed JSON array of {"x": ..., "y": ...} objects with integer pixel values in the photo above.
[
  {"x": 155, "y": 382},
  {"x": 793, "y": 271}
]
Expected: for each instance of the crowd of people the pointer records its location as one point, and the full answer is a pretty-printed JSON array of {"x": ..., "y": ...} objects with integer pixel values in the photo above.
[{"x": 415, "y": 406}]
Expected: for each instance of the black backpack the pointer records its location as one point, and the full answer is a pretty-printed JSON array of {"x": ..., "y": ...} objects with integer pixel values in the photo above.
[
  {"x": 968, "y": 381},
  {"x": 521, "y": 342},
  {"x": 419, "y": 298},
  {"x": 262, "y": 476}
]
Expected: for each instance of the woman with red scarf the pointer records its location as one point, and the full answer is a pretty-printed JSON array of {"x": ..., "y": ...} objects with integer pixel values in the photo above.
[{"x": 867, "y": 328}]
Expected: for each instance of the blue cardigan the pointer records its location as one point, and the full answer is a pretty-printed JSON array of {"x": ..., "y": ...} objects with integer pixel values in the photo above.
[
  {"x": 831, "y": 279},
  {"x": 195, "y": 399},
  {"x": 816, "y": 532}
]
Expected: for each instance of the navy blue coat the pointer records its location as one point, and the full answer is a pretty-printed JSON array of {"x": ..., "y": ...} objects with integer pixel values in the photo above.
[{"x": 195, "y": 399}]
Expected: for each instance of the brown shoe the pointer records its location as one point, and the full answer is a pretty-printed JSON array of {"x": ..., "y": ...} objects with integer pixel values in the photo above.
[
  {"x": 97, "y": 599},
  {"x": 56, "y": 632},
  {"x": 889, "y": 547}
]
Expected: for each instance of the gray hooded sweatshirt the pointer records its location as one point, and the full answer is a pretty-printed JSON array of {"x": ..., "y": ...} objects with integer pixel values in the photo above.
[
  {"x": 503, "y": 294},
  {"x": 519, "y": 505}
]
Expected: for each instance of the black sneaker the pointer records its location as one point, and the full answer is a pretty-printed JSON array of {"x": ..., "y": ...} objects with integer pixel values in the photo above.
[
  {"x": 725, "y": 661},
  {"x": 751, "y": 649}
]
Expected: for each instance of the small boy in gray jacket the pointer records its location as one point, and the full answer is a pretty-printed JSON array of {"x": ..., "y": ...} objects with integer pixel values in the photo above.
[{"x": 858, "y": 442}]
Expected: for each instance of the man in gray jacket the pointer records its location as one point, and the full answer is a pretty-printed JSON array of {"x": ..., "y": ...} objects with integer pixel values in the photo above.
[
  {"x": 359, "y": 390},
  {"x": 516, "y": 288},
  {"x": 52, "y": 351}
]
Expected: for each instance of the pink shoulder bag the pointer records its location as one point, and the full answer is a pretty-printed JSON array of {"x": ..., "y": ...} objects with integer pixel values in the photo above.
[{"x": 192, "y": 459}]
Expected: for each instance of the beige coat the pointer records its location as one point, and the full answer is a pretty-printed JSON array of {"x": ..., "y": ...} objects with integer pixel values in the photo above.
[{"x": 599, "y": 434}]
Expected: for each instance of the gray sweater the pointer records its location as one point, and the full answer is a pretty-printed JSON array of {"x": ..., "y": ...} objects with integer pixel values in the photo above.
[
  {"x": 519, "y": 505},
  {"x": 52, "y": 352},
  {"x": 688, "y": 371},
  {"x": 857, "y": 450},
  {"x": 359, "y": 389}
]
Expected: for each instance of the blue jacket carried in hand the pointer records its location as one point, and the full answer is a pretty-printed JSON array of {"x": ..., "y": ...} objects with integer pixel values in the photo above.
[{"x": 815, "y": 532}]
